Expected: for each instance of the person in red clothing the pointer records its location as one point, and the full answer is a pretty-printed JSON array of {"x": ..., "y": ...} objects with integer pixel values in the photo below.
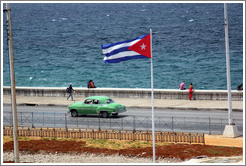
[{"x": 190, "y": 91}]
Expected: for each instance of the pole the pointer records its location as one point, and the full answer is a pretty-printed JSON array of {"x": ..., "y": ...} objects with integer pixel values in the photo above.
[
  {"x": 228, "y": 66},
  {"x": 13, "y": 92},
  {"x": 152, "y": 97}
]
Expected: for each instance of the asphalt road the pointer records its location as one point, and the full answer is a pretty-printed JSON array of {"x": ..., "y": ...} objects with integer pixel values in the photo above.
[
  {"x": 200, "y": 121},
  {"x": 135, "y": 112}
]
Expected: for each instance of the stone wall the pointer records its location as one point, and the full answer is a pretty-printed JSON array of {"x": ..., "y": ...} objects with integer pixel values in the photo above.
[{"x": 125, "y": 93}]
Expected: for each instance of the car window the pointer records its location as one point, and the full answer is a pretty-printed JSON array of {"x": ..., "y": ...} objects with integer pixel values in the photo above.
[
  {"x": 108, "y": 101},
  {"x": 88, "y": 101},
  {"x": 96, "y": 102}
]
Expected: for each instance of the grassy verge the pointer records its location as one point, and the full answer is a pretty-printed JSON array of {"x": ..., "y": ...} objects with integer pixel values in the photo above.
[
  {"x": 94, "y": 143},
  {"x": 117, "y": 144}
]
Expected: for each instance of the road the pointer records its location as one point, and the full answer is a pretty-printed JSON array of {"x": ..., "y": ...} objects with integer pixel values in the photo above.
[
  {"x": 201, "y": 121},
  {"x": 135, "y": 112}
]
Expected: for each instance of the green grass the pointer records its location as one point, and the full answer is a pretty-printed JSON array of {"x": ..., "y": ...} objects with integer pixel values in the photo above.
[
  {"x": 218, "y": 151},
  {"x": 118, "y": 144}
]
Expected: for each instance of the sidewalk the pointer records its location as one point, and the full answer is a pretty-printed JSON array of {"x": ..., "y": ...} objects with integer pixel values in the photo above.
[
  {"x": 220, "y": 140},
  {"x": 132, "y": 103}
]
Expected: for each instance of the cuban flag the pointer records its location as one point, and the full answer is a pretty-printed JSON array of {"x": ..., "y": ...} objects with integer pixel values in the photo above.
[{"x": 131, "y": 49}]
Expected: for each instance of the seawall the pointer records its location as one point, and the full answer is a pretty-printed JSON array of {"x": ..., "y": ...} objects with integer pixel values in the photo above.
[{"x": 126, "y": 93}]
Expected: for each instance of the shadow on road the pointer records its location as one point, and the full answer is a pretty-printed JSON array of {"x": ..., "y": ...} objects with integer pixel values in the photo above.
[{"x": 97, "y": 116}]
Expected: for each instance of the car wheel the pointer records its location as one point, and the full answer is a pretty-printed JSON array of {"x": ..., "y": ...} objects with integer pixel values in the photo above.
[
  {"x": 100, "y": 115},
  {"x": 74, "y": 113},
  {"x": 104, "y": 114}
]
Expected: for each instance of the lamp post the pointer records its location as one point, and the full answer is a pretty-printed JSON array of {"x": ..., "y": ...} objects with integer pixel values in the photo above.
[{"x": 13, "y": 91}]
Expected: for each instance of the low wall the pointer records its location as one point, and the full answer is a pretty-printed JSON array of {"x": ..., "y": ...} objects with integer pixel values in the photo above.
[{"x": 125, "y": 93}]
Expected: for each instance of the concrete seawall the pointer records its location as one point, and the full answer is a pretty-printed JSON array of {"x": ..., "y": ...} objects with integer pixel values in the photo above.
[{"x": 125, "y": 93}]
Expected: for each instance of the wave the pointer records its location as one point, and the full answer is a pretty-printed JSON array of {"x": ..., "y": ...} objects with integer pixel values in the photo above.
[{"x": 63, "y": 18}]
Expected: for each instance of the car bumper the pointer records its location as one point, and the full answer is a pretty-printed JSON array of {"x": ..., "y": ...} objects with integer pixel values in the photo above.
[{"x": 120, "y": 111}]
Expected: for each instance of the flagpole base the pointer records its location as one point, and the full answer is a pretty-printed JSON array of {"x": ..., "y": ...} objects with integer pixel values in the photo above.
[{"x": 231, "y": 131}]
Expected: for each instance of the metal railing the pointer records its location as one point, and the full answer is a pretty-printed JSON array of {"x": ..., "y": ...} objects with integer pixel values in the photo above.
[{"x": 207, "y": 125}]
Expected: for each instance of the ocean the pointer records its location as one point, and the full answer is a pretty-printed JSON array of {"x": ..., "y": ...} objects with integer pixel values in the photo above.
[{"x": 60, "y": 43}]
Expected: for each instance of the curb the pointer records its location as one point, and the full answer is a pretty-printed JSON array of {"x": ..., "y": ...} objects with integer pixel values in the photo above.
[{"x": 137, "y": 107}]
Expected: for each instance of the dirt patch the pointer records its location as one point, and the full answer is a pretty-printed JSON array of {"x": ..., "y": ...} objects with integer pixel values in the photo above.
[{"x": 180, "y": 151}]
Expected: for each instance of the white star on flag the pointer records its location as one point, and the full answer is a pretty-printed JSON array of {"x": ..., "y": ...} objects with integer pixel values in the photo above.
[{"x": 143, "y": 46}]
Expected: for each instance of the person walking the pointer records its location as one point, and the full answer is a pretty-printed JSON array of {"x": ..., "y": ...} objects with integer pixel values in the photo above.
[
  {"x": 70, "y": 91},
  {"x": 190, "y": 91}
]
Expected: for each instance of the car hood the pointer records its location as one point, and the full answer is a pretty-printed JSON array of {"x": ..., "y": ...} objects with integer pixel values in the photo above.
[{"x": 75, "y": 104}]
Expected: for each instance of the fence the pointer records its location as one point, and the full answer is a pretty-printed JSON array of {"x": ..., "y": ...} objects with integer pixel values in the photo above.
[
  {"x": 207, "y": 125},
  {"x": 107, "y": 134}
]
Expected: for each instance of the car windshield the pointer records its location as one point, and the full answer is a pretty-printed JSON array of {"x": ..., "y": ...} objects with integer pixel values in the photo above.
[{"x": 108, "y": 101}]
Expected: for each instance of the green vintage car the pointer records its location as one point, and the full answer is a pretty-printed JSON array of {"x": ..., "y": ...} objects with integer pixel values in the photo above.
[{"x": 101, "y": 105}]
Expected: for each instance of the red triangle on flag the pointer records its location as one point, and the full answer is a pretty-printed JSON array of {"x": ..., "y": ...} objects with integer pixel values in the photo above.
[{"x": 142, "y": 46}]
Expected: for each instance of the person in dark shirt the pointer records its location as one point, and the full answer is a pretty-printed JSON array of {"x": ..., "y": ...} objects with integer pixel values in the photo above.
[
  {"x": 240, "y": 87},
  {"x": 70, "y": 91}
]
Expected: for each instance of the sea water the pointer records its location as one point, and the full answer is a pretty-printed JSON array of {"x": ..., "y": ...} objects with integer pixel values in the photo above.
[{"x": 60, "y": 43}]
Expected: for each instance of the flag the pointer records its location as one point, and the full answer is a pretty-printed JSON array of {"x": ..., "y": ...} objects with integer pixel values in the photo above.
[{"x": 131, "y": 49}]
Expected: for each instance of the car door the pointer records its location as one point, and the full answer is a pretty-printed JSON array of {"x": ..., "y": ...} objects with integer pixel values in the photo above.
[
  {"x": 95, "y": 105},
  {"x": 85, "y": 107}
]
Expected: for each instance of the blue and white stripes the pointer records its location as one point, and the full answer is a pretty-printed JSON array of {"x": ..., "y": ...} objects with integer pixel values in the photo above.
[{"x": 117, "y": 52}]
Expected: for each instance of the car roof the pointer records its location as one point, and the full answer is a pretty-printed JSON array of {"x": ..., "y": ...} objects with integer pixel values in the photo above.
[{"x": 98, "y": 97}]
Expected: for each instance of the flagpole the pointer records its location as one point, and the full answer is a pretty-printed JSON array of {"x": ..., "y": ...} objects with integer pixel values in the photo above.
[
  {"x": 231, "y": 128},
  {"x": 152, "y": 97},
  {"x": 228, "y": 67}
]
